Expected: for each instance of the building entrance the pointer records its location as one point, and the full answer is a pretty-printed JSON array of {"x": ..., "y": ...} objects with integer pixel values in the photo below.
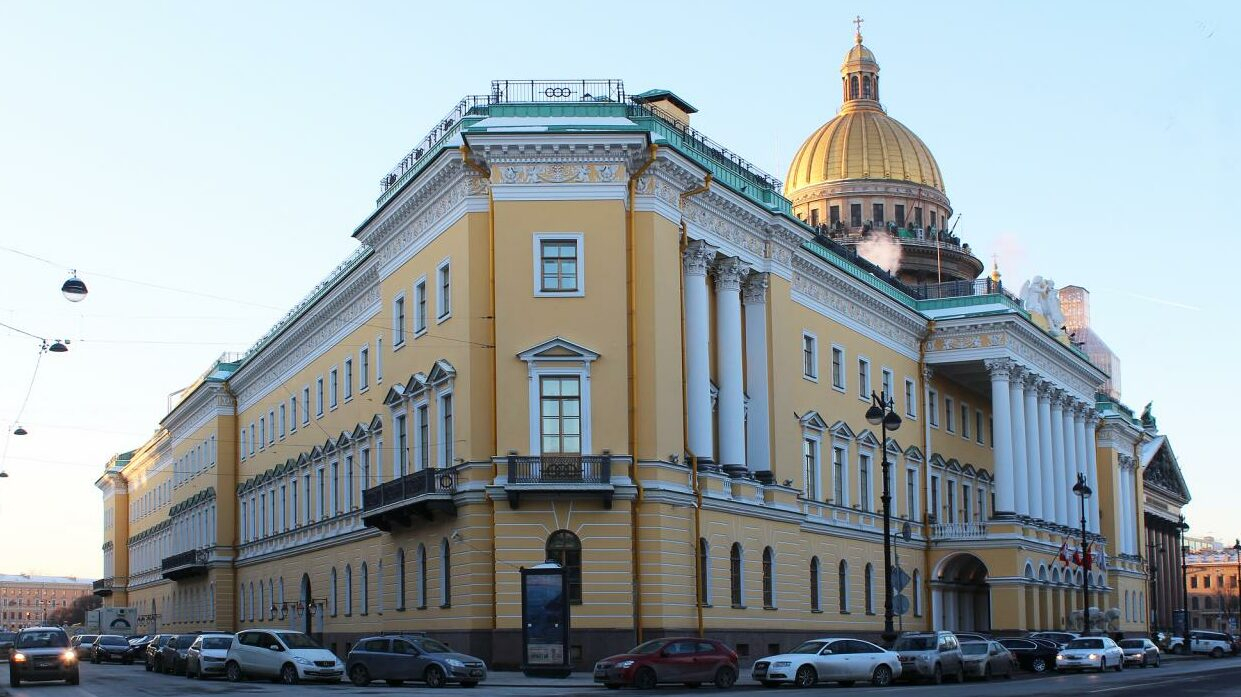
[{"x": 960, "y": 596}]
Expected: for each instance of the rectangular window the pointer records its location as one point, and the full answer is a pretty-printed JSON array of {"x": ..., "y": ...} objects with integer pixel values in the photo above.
[
  {"x": 951, "y": 508},
  {"x": 965, "y": 421},
  {"x": 293, "y": 503},
  {"x": 348, "y": 483},
  {"x": 319, "y": 397},
  {"x": 917, "y": 216},
  {"x": 271, "y": 422},
  {"x": 401, "y": 461},
  {"x": 814, "y": 217},
  {"x": 292, "y": 414},
  {"x": 262, "y": 432},
  {"x": 838, "y": 477},
  {"x": 949, "y": 422},
  {"x": 900, "y": 215},
  {"x": 283, "y": 420},
  {"x": 809, "y": 356},
  {"x": 981, "y": 512},
  {"x": 559, "y": 267},
  {"x": 306, "y": 497},
  {"x": 446, "y": 429},
  {"x": 932, "y": 415},
  {"x": 379, "y": 359},
  {"x": 933, "y": 218},
  {"x": 335, "y": 488},
  {"x": 889, "y": 387},
  {"x": 863, "y": 378},
  {"x": 934, "y": 496},
  {"x": 560, "y": 414},
  {"x": 810, "y": 457},
  {"x": 833, "y": 215},
  {"x": 855, "y": 215},
  {"x": 333, "y": 383},
  {"x": 838, "y": 368},
  {"x": 322, "y": 503},
  {"x": 978, "y": 426},
  {"x": 863, "y": 467},
  {"x": 911, "y": 398},
  {"x": 348, "y": 379},
  {"x": 444, "y": 301},
  {"x": 251, "y": 438},
  {"x": 877, "y": 213},
  {"x": 364, "y": 366},
  {"x": 284, "y": 507},
  {"x": 911, "y": 494},
  {"x": 306, "y": 405},
  {"x": 420, "y": 306},
  {"x": 424, "y": 436},
  {"x": 398, "y": 322},
  {"x": 364, "y": 481},
  {"x": 965, "y": 503}
]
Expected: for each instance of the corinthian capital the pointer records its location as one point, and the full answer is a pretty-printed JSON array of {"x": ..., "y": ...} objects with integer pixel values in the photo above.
[
  {"x": 754, "y": 292},
  {"x": 697, "y": 256},
  {"x": 999, "y": 368},
  {"x": 728, "y": 274}
]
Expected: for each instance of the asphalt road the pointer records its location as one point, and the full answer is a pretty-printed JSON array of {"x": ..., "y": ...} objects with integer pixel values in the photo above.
[{"x": 1183, "y": 678}]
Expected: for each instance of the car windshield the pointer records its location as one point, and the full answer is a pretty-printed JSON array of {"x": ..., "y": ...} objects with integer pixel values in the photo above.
[
  {"x": 649, "y": 646},
  {"x": 914, "y": 643},
  {"x": 297, "y": 640},
  {"x": 42, "y": 640},
  {"x": 1085, "y": 644},
  {"x": 811, "y": 647},
  {"x": 217, "y": 642},
  {"x": 113, "y": 640},
  {"x": 87, "y": 638},
  {"x": 433, "y": 646},
  {"x": 974, "y": 648},
  {"x": 183, "y": 642}
]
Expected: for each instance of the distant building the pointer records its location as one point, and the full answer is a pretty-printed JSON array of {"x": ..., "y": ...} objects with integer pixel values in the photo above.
[
  {"x": 1213, "y": 592},
  {"x": 1075, "y": 305},
  {"x": 27, "y": 600}
]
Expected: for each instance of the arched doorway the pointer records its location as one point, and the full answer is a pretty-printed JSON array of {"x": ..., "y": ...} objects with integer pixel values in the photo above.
[
  {"x": 307, "y": 601},
  {"x": 960, "y": 594}
]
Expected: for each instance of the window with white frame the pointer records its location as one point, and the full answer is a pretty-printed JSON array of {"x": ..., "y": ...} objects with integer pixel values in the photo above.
[
  {"x": 838, "y": 368},
  {"x": 348, "y": 482},
  {"x": 559, "y": 396},
  {"x": 446, "y": 430},
  {"x": 333, "y": 385},
  {"x": 911, "y": 398},
  {"x": 863, "y": 378},
  {"x": 398, "y": 322},
  {"x": 319, "y": 397},
  {"x": 558, "y": 265},
  {"x": 934, "y": 496},
  {"x": 401, "y": 461},
  {"x": 422, "y": 423},
  {"x": 262, "y": 436},
  {"x": 911, "y": 494},
  {"x": 348, "y": 379},
  {"x": 283, "y": 421},
  {"x": 889, "y": 385},
  {"x": 864, "y": 480},
  {"x": 420, "y": 306},
  {"x": 839, "y": 484},
  {"x": 334, "y": 488},
  {"x": 980, "y": 512},
  {"x": 810, "y": 459},
  {"x": 965, "y": 503},
  {"x": 364, "y": 369},
  {"x": 444, "y": 299},
  {"x": 950, "y": 423},
  {"x": 978, "y": 426},
  {"x": 932, "y": 415},
  {"x": 379, "y": 359},
  {"x": 293, "y": 414},
  {"x": 809, "y": 356},
  {"x": 560, "y": 414},
  {"x": 965, "y": 421}
]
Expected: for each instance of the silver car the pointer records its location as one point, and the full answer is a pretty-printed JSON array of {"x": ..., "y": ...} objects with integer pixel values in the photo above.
[
  {"x": 844, "y": 661},
  {"x": 395, "y": 659},
  {"x": 1140, "y": 652},
  {"x": 930, "y": 655},
  {"x": 984, "y": 659},
  {"x": 1099, "y": 653},
  {"x": 206, "y": 656}
]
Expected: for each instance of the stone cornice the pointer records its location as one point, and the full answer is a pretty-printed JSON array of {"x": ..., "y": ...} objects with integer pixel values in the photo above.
[{"x": 209, "y": 400}]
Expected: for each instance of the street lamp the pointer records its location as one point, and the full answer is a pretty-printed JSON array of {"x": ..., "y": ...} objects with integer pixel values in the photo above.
[
  {"x": 882, "y": 414},
  {"x": 1236, "y": 549},
  {"x": 1153, "y": 569},
  {"x": 74, "y": 289},
  {"x": 1181, "y": 527},
  {"x": 1083, "y": 491}
]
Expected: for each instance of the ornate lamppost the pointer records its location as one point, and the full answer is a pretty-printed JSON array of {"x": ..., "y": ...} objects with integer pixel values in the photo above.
[
  {"x": 1236, "y": 551},
  {"x": 1153, "y": 569},
  {"x": 1181, "y": 527},
  {"x": 1083, "y": 491},
  {"x": 882, "y": 414}
]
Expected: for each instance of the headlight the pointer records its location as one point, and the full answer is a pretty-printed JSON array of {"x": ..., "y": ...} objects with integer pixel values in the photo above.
[
  {"x": 19, "y": 658},
  {"x": 455, "y": 663},
  {"x": 1059, "y": 657},
  {"x": 781, "y": 664},
  {"x": 1092, "y": 657},
  {"x": 303, "y": 661},
  {"x": 69, "y": 656},
  {"x": 624, "y": 664}
]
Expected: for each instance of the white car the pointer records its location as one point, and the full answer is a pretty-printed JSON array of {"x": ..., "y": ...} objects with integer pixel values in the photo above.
[
  {"x": 280, "y": 653},
  {"x": 1213, "y": 643},
  {"x": 1099, "y": 653},
  {"x": 829, "y": 660}
]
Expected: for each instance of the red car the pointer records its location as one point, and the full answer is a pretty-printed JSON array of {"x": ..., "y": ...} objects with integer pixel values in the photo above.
[{"x": 687, "y": 660}]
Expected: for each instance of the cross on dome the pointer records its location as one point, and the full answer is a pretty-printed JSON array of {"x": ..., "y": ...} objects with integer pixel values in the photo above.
[{"x": 857, "y": 22}]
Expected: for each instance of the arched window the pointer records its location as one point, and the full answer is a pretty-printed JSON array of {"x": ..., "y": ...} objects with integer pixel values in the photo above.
[
  {"x": 241, "y": 616},
  {"x": 445, "y": 574},
  {"x": 271, "y": 593},
  {"x": 400, "y": 579},
  {"x": 853, "y": 87},
  {"x": 769, "y": 577},
  {"x": 704, "y": 573},
  {"x": 917, "y": 593},
  {"x": 870, "y": 589},
  {"x": 734, "y": 575},
  {"x": 366, "y": 590},
  {"x": 866, "y": 94},
  {"x": 815, "y": 583},
  {"x": 262, "y": 608},
  {"x": 564, "y": 548},
  {"x": 251, "y": 601},
  {"x": 842, "y": 586},
  {"x": 380, "y": 589},
  {"x": 348, "y": 590},
  {"x": 422, "y": 577},
  {"x": 332, "y": 599}
]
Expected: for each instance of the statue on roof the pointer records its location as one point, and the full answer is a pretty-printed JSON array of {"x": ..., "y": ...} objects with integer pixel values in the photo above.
[
  {"x": 1039, "y": 295},
  {"x": 1148, "y": 419}
]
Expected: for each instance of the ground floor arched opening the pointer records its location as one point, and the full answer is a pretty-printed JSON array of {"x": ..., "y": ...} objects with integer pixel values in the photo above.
[{"x": 960, "y": 596}]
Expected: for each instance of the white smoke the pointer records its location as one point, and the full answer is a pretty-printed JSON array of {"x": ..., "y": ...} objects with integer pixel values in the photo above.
[{"x": 881, "y": 251}]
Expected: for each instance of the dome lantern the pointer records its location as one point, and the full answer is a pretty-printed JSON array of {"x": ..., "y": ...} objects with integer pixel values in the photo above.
[{"x": 859, "y": 74}]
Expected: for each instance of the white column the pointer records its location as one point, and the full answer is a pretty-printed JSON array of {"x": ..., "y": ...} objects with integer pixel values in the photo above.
[
  {"x": 758, "y": 422},
  {"x": 1092, "y": 473},
  {"x": 1003, "y": 470},
  {"x": 1048, "y": 461},
  {"x": 1079, "y": 442},
  {"x": 697, "y": 349},
  {"x": 1126, "y": 508},
  {"x": 1017, "y": 403},
  {"x": 728, "y": 362},
  {"x": 1034, "y": 459},
  {"x": 1070, "y": 460},
  {"x": 1061, "y": 485}
]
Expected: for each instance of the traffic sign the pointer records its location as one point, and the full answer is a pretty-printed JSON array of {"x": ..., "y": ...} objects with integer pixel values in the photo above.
[
  {"x": 900, "y": 579},
  {"x": 900, "y": 604}
]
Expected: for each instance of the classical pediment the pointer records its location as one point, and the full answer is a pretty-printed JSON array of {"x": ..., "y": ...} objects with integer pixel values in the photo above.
[
  {"x": 558, "y": 349},
  {"x": 1160, "y": 470},
  {"x": 813, "y": 420}
]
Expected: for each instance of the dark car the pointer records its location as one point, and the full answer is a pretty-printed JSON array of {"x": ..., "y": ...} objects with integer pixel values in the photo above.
[
  {"x": 1140, "y": 652},
  {"x": 1060, "y": 638},
  {"x": 6, "y": 644},
  {"x": 206, "y": 656},
  {"x": 172, "y": 654},
  {"x": 396, "y": 659},
  {"x": 685, "y": 660},
  {"x": 81, "y": 644},
  {"x": 111, "y": 647},
  {"x": 139, "y": 644},
  {"x": 42, "y": 653},
  {"x": 154, "y": 659},
  {"x": 1035, "y": 655}
]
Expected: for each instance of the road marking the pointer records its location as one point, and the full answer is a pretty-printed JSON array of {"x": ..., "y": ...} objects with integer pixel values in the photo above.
[{"x": 1128, "y": 686}]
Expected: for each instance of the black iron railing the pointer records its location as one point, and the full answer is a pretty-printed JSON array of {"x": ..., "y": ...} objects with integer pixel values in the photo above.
[
  {"x": 409, "y": 487},
  {"x": 470, "y": 105},
  {"x": 516, "y": 91},
  {"x": 560, "y": 469},
  {"x": 102, "y": 586},
  {"x": 959, "y": 289},
  {"x": 188, "y": 558}
]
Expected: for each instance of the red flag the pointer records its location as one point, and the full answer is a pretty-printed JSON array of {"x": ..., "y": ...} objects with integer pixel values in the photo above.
[
  {"x": 1077, "y": 556},
  {"x": 1088, "y": 557},
  {"x": 1064, "y": 552}
]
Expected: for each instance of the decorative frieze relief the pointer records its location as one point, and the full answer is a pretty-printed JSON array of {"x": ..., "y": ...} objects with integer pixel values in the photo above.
[
  {"x": 856, "y": 305},
  {"x": 559, "y": 173},
  {"x": 1007, "y": 336}
]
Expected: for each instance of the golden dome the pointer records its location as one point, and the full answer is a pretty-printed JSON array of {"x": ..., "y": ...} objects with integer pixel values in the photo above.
[{"x": 863, "y": 143}]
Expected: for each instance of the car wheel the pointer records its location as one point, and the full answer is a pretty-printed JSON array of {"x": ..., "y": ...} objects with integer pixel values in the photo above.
[
  {"x": 233, "y": 671},
  {"x": 725, "y": 677},
  {"x": 1156, "y": 661},
  {"x": 986, "y": 673},
  {"x": 937, "y": 677},
  {"x": 147, "y": 665},
  {"x": 1038, "y": 665},
  {"x": 434, "y": 676},
  {"x": 359, "y": 675},
  {"x": 1217, "y": 652},
  {"x": 1120, "y": 665},
  {"x": 288, "y": 674},
  {"x": 882, "y": 677},
  {"x": 644, "y": 679},
  {"x": 395, "y": 683},
  {"x": 806, "y": 677},
  {"x": 960, "y": 674}
]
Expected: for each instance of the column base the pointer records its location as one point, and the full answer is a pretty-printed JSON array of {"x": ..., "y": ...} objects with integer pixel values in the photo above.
[
  {"x": 736, "y": 471},
  {"x": 765, "y": 477}
]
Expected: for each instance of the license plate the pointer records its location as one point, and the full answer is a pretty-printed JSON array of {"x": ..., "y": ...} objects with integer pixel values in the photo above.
[{"x": 475, "y": 673}]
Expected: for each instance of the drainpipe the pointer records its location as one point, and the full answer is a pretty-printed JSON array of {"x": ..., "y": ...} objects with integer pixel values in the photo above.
[{"x": 632, "y": 369}]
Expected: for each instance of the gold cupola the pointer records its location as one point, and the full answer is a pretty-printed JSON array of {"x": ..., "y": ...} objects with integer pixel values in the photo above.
[{"x": 863, "y": 173}]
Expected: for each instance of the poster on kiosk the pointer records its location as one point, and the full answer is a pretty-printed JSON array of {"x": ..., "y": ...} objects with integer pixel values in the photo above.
[{"x": 545, "y": 621}]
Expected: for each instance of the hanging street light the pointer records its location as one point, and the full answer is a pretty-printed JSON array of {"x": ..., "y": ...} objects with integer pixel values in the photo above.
[
  {"x": 74, "y": 289},
  {"x": 19, "y": 431},
  {"x": 58, "y": 346}
]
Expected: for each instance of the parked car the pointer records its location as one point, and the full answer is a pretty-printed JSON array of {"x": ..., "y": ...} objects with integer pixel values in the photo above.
[
  {"x": 172, "y": 654},
  {"x": 139, "y": 644},
  {"x": 971, "y": 636},
  {"x": 280, "y": 653},
  {"x": 1142, "y": 652},
  {"x": 844, "y": 661},
  {"x": 396, "y": 659},
  {"x": 207, "y": 654},
  {"x": 1061, "y": 638},
  {"x": 1035, "y": 655},
  {"x": 686, "y": 660},
  {"x": 81, "y": 644},
  {"x": 984, "y": 659},
  {"x": 6, "y": 644},
  {"x": 42, "y": 653},
  {"x": 1214, "y": 644},
  {"x": 111, "y": 647},
  {"x": 930, "y": 655},
  {"x": 1176, "y": 644},
  {"x": 1099, "y": 653},
  {"x": 154, "y": 652}
]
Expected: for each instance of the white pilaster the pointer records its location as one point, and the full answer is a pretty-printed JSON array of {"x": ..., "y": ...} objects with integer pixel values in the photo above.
[
  {"x": 1021, "y": 477},
  {"x": 1079, "y": 444},
  {"x": 1001, "y": 413},
  {"x": 697, "y": 349},
  {"x": 758, "y": 423},
  {"x": 1070, "y": 460},
  {"x": 1034, "y": 460},
  {"x": 728, "y": 361},
  {"x": 1048, "y": 461},
  {"x": 1062, "y": 484},
  {"x": 1125, "y": 511},
  {"x": 1092, "y": 471}
]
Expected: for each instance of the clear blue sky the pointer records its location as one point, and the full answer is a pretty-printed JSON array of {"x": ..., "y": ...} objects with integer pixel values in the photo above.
[{"x": 230, "y": 148}]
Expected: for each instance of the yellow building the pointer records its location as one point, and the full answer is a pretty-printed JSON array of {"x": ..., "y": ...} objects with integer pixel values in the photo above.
[{"x": 576, "y": 328}]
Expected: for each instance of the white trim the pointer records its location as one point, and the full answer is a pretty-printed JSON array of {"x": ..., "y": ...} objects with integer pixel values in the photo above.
[
  {"x": 398, "y": 321},
  {"x": 578, "y": 239},
  {"x": 816, "y": 436},
  {"x": 844, "y": 377},
  {"x": 558, "y": 192},
  {"x": 444, "y": 446},
  {"x": 864, "y": 392},
  {"x": 421, "y": 281},
  {"x": 443, "y": 305},
  {"x": 535, "y": 372},
  {"x": 801, "y": 298},
  {"x": 814, "y": 359}
]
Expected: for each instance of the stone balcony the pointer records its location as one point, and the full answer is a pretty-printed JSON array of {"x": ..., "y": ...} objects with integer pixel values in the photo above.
[
  {"x": 421, "y": 494},
  {"x": 974, "y": 530},
  {"x": 187, "y": 564},
  {"x": 563, "y": 475}
]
